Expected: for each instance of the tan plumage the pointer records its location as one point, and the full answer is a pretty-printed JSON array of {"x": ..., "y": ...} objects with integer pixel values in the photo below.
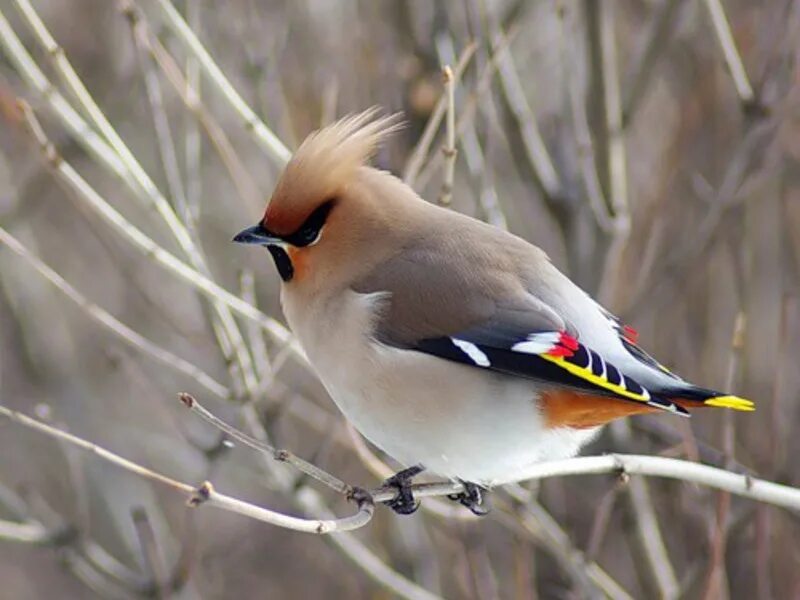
[{"x": 447, "y": 342}]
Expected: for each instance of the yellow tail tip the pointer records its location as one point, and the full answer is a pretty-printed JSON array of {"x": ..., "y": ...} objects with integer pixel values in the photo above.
[{"x": 733, "y": 402}]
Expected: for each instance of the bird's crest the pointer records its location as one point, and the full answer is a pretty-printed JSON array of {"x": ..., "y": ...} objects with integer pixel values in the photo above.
[
  {"x": 326, "y": 162},
  {"x": 347, "y": 144}
]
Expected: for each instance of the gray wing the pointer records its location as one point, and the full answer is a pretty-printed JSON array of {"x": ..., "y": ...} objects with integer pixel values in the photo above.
[
  {"x": 428, "y": 297},
  {"x": 484, "y": 317}
]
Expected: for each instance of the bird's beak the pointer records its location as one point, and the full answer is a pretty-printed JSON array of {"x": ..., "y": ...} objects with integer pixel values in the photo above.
[{"x": 257, "y": 234}]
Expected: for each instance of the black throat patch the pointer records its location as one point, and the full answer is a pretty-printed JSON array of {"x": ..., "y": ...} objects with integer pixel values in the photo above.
[{"x": 282, "y": 262}]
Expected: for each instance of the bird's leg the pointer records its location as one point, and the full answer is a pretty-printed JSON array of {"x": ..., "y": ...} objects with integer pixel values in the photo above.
[
  {"x": 403, "y": 503},
  {"x": 472, "y": 497}
]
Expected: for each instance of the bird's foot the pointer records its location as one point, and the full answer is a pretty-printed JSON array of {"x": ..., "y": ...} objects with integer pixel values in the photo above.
[
  {"x": 403, "y": 503},
  {"x": 472, "y": 497}
]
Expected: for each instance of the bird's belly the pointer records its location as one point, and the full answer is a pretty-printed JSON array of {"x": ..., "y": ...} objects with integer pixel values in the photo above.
[{"x": 456, "y": 421}]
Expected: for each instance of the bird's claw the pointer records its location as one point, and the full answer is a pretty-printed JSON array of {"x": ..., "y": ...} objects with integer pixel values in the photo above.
[
  {"x": 403, "y": 503},
  {"x": 472, "y": 498}
]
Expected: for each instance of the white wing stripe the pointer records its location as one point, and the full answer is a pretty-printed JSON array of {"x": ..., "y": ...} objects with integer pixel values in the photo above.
[
  {"x": 538, "y": 343},
  {"x": 473, "y": 352}
]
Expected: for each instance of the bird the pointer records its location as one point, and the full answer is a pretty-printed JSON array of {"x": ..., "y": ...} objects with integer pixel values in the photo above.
[{"x": 454, "y": 346}]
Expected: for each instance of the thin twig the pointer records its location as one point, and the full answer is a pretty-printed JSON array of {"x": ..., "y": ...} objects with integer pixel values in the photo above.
[
  {"x": 643, "y": 64},
  {"x": 30, "y": 72},
  {"x": 311, "y": 502},
  {"x": 617, "y": 170},
  {"x": 30, "y": 532},
  {"x": 535, "y": 149},
  {"x": 263, "y": 135},
  {"x": 193, "y": 147},
  {"x": 742, "y": 485},
  {"x": 449, "y": 148},
  {"x": 416, "y": 158},
  {"x": 130, "y": 170},
  {"x": 745, "y": 486},
  {"x": 617, "y": 166},
  {"x": 648, "y": 530},
  {"x": 205, "y": 493},
  {"x": 670, "y": 468},
  {"x": 583, "y": 136},
  {"x": 239, "y": 176},
  {"x": 125, "y": 333},
  {"x": 475, "y": 156},
  {"x": 722, "y": 29},
  {"x": 164, "y": 138},
  {"x": 471, "y": 104},
  {"x": 652, "y": 541},
  {"x": 717, "y": 579},
  {"x": 71, "y": 79},
  {"x": 543, "y": 529},
  {"x": 151, "y": 553},
  {"x": 284, "y": 456},
  {"x": 145, "y": 244}
]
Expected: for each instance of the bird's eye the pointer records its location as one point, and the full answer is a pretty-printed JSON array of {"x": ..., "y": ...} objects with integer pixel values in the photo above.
[
  {"x": 310, "y": 231},
  {"x": 309, "y": 235}
]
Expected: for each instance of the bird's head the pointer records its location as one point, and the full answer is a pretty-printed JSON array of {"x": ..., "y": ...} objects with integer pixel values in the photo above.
[{"x": 316, "y": 193}]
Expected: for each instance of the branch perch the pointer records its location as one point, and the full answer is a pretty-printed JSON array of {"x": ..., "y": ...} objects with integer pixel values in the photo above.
[
  {"x": 629, "y": 464},
  {"x": 742, "y": 485},
  {"x": 205, "y": 493}
]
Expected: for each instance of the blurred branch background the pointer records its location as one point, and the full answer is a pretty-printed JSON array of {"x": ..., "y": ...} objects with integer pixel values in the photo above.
[{"x": 650, "y": 147}]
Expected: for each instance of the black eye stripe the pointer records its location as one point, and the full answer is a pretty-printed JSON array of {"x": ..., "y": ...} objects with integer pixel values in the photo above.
[{"x": 309, "y": 230}]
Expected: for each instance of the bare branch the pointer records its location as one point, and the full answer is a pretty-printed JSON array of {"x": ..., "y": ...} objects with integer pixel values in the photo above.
[
  {"x": 35, "y": 78},
  {"x": 535, "y": 148},
  {"x": 193, "y": 147},
  {"x": 420, "y": 152},
  {"x": 742, "y": 485},
  {"x": 30, "y": 532},
  {"x": 164, "y": 138},
  {"x": 643, "y": 65},
  {"x": 722, "y": 28},
  {"x": 145, "y": 244},
  {"x": 263, "y": 134},
  {"x": 617, "y": 164},
  {"x": 583, "y": 136},
  {"x": 449, "y": 148},
  {"x": 717, "y": 579},
  {"x": 650, "y": 536},
  {"x": 107, "y": 320},
  {"x": 280, "y": 455},
  {"x": 151, "y": 553},
  {"x": 70, "y": 77},
  {"x": 205, "y": 493},
  {"x": 127, "y": 166},
  {"x": 670, "y": 468},
  {"x": 542, "y": 528},
  {"x": 239, "y": 176},
  {"x": 471, "y": 104},
  {"x": 475, "y": 156}
]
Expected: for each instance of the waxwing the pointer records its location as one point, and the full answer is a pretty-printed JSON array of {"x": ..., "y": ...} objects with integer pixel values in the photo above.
[{"x": 450, "y": 344}]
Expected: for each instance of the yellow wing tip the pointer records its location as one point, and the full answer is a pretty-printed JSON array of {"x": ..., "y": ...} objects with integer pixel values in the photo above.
[{"x": 734, "y": 402}]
